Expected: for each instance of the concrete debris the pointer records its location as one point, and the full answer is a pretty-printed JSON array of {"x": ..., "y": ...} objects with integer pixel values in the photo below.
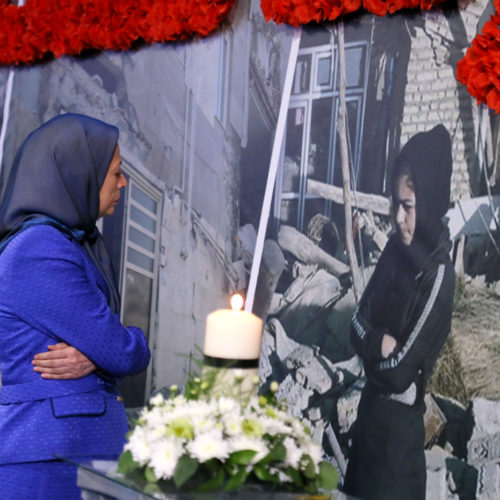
[
  {"x": 323, "y": 231},
  {"x": 488, "y": 481},
  {"x": 347, "y": 407},
  {"x": 434, "y": 420},
  {"x": 437, "y": 477},
  {"x": 484, "y": 444},
  {"x": 284, "y": 344},
  {"x": 272, "y": 265},
  {"x": 308, "y": 302},
  {"x": 309, "y": 371},
  {"x": 247, "y": 236},
  {"x": 458, "y": 428},
  {"x": 276, "y": 304},
  {"x": 296, "y": 395}
]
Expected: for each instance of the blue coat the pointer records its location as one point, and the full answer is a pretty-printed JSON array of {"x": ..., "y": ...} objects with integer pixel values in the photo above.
[{"x": 50, "y": 291}]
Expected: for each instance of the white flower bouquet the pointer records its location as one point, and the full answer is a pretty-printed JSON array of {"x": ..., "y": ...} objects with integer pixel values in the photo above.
[{"x": 198, "y": 442}]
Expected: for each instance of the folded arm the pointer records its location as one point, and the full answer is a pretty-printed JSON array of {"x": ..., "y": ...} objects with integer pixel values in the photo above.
[
  {"x": 429, "y": 326},
  {"x": 65, "y": 303}
]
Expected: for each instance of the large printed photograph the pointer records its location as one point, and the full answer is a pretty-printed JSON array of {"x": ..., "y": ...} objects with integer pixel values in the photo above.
[
  {"x": 374, "y": 124},
  {"x": 403, "y": 104}
]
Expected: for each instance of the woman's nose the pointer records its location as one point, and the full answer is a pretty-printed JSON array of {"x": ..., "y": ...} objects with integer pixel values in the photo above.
[{"x": 123, "y": 181}]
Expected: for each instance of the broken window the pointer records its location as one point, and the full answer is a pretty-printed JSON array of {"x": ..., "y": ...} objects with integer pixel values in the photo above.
[
  {"x": 132, "y": 235},
  {"x": 310, "y": 149}
]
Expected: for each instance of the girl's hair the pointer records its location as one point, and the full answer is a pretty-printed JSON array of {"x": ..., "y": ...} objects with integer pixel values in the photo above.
[{"x": 402, "y": 169}]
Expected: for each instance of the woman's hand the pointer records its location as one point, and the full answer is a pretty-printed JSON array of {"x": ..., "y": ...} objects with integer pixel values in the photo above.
[
  {"x": 62, "y": 361},
  {"x": 389, "y": 343}
]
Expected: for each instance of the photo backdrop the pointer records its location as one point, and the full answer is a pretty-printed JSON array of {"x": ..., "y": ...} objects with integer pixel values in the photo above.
[{"x": 197, "y": 121}]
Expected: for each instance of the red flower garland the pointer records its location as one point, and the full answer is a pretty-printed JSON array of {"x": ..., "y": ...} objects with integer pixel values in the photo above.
[
  {"x": 43, "y": 28},
  {"x": 480, "y": 67},
  {"x": 296, "y": 12}
]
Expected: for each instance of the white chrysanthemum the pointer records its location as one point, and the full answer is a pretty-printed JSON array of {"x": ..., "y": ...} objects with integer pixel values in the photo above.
[
  {"x": 227, "y": 406},
  {"x": 139, "y": 446},
  {"x": 157, "y": 400},
  {"x": 209, "y": 445},
  {"x": 156, "y": 417},
  {"x": 298, "y": 429},
  {"x": 232, "y": 425},
  {"x": 315, "y": 451},
  {"x": 204, "y": 423},
  {"x": 282, "y": 476},
  {"x": 293, "y": 453},
  {"x": 164, "y": 457},
  {"x": 243, "y": 442},
  {"x": 274, "y": 426}
]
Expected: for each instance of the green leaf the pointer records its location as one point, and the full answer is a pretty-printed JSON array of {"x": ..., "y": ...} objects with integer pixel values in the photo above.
[
  {"x": 308, "y": 470},
  {"x": 328, "y": 476},
  {"x": 263, "y": 474},
  {"x": 277, "y": 454},
  {"x": 295, "y": 476},
  {"x": 150, "y": 475},
  {"x": 243, "y": 457},
  {"x": 213, "y": 484},
  {"x": 237, "y": 480},
  {"x": 152, "y": 488},
  {"x": 185, "y": 468},
  {"x": 126, "y": 463}
]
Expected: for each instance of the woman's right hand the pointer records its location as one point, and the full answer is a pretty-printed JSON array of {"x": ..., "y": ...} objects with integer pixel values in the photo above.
[{"x": 389, "y": 344}]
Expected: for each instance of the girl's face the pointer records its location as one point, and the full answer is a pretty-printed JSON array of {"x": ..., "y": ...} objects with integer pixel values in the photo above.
[{"x": 404, "y": 209}]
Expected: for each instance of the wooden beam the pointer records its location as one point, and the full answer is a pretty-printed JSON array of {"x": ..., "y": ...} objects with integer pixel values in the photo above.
[
  {"x": 364, "y": 201},
  {"x": 306, "y": 251}
]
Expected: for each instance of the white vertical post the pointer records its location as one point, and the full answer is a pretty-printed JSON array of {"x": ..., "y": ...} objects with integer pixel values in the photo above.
[
  {"x": 6, "y": 105},
  {"x": 273, "y": 169},
  {"x": 6, "y": 112}
]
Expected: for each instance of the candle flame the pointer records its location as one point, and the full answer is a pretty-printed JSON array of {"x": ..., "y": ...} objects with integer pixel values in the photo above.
[{"x": 237, "y": 302}]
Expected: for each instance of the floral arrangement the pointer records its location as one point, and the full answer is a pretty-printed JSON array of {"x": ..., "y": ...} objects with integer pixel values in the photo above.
[
  {"x": 480, "y": 67},
  {"x": 199, "y": 442},
  {"x": 45, "y": 28},
  {"x": 297, "y": 12}
]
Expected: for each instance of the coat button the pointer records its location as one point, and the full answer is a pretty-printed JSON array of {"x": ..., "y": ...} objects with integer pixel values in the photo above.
[{"x": 119, "y": 398}]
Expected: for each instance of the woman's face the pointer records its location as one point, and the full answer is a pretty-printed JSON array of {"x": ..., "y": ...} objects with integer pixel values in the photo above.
[
  {"x": 109, "y": 195},
  {"x": 404, "y": 209}
]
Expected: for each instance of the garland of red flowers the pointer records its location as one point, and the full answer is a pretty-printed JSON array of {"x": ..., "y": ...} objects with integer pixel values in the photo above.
[
  {"x": 45, "y": 28},
  {"x": 296, "y": 12},
  {"x": 480, "y": 67}
]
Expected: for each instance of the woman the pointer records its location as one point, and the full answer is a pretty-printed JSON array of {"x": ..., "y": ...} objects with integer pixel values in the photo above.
[
  {"x": 62, "y": 346},
  {"x": 401, "y": 324}
]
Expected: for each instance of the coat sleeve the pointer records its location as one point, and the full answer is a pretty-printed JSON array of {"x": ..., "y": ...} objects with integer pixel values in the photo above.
[
  {"x": 367, "y": 341},
  {"x": 365, "y": 338},
  {"x": 429, "y": 325},
  {"x": 54, "y": 293}
]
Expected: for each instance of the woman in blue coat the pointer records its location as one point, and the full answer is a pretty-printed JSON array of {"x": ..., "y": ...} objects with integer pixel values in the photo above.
[{"x": 62, "y": 346}]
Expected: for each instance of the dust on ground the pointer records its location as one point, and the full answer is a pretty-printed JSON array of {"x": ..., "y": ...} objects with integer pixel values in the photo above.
[{"x": 469, "y": 365}]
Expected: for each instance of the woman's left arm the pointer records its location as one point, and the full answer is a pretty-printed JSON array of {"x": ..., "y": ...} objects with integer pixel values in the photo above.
[
  {"x": 429, "y": 326},
  {"x": 52, "y": 290}
]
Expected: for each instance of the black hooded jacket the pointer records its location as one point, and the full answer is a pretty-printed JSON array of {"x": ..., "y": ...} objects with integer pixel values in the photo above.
[{"x": 410, "y": 295}]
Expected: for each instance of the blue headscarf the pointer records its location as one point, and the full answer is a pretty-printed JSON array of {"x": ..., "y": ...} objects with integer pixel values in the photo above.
[{"x": 55, "y": 179}]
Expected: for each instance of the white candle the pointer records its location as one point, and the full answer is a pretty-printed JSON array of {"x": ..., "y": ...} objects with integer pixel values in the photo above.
[{"x": 233, "y": 334}]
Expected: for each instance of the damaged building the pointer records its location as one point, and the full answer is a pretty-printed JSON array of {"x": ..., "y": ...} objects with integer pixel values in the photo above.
[{"x": 400, "y": 80}]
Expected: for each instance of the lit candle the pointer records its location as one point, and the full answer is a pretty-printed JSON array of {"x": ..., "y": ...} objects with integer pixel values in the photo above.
[{"x": 233, "y": 333}]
